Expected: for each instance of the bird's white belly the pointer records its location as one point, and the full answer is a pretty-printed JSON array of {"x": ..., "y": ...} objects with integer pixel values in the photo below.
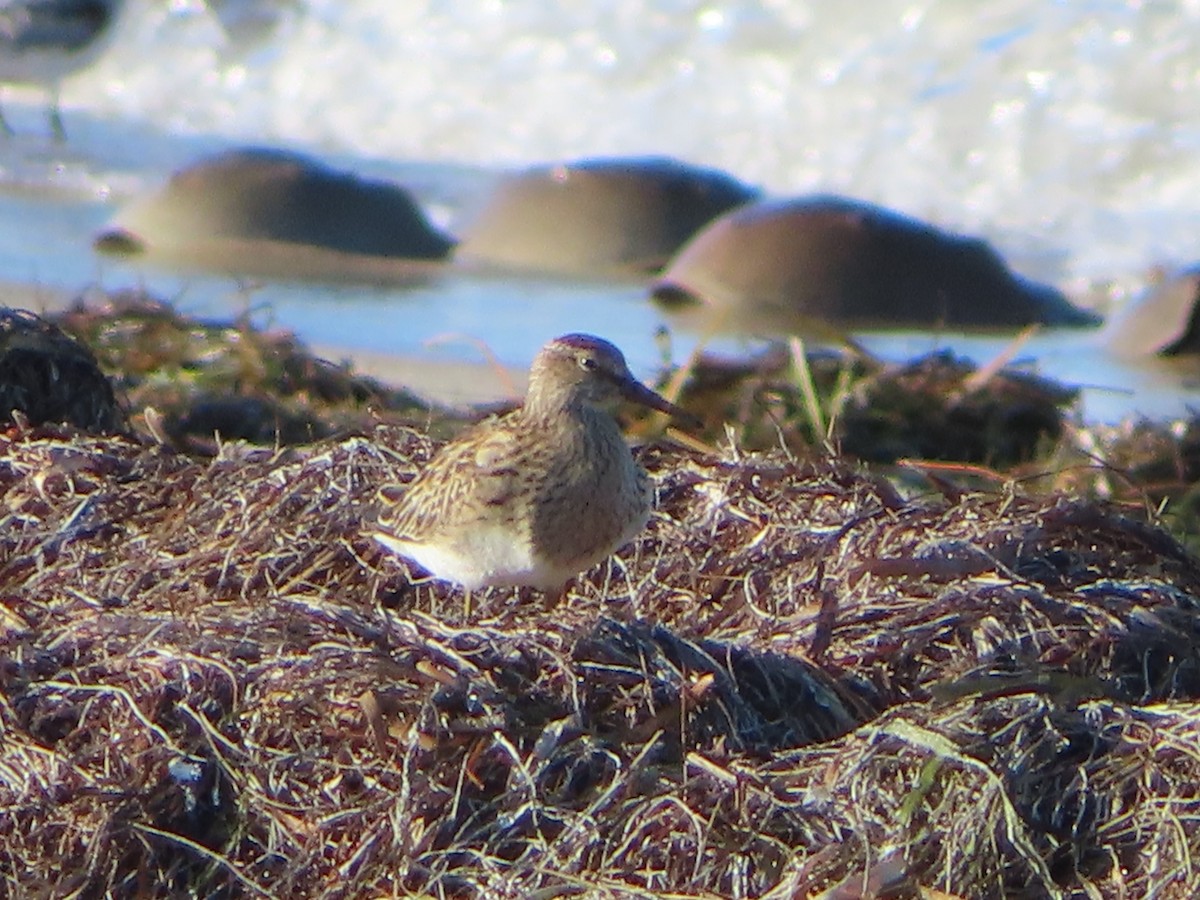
[{"x": 482, "y": 556}]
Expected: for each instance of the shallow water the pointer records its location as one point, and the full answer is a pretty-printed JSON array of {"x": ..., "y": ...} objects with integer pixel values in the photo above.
[{"x": 1064, "y": 132}]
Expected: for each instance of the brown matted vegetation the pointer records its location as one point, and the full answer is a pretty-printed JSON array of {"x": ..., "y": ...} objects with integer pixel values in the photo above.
[
  {"x": 797, "y": 682},
  {"x": 213, "y": 682}
]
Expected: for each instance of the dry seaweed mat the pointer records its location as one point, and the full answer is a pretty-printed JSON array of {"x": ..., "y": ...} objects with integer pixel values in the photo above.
[{"x": 795, "y": 683}]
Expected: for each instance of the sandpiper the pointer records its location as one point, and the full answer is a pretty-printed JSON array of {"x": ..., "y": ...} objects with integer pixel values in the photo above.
[
  {"x": 44, "y": 41},
  {"x": 539, "y": 495}
]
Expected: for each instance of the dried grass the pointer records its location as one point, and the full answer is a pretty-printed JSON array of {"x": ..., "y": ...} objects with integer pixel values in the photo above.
[{"x": 795, "y": 683}]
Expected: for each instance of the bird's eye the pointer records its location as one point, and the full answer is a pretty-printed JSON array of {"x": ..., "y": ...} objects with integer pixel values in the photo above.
[{"x": 587, "y": 362}]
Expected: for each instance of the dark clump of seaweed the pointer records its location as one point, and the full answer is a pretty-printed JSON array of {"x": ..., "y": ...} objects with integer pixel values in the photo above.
[
  {"x": 47, "y": 376},
  {"x": 937, "y": 407}
]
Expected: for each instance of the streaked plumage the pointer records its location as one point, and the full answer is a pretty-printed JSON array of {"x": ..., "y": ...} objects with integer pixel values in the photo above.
[
  {"x": 44, "y": 41},
  {"x": 540, "y": 495}
]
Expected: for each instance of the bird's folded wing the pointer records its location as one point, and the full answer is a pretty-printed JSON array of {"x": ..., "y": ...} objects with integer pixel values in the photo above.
[{"x": 459, "y": 485}]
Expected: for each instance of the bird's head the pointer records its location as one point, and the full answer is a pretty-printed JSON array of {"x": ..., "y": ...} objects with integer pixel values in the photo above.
[{"x": 582, "y": 368}]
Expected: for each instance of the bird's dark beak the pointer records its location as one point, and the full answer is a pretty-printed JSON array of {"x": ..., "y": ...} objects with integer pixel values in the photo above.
[{"x": 636, "y": 392}]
